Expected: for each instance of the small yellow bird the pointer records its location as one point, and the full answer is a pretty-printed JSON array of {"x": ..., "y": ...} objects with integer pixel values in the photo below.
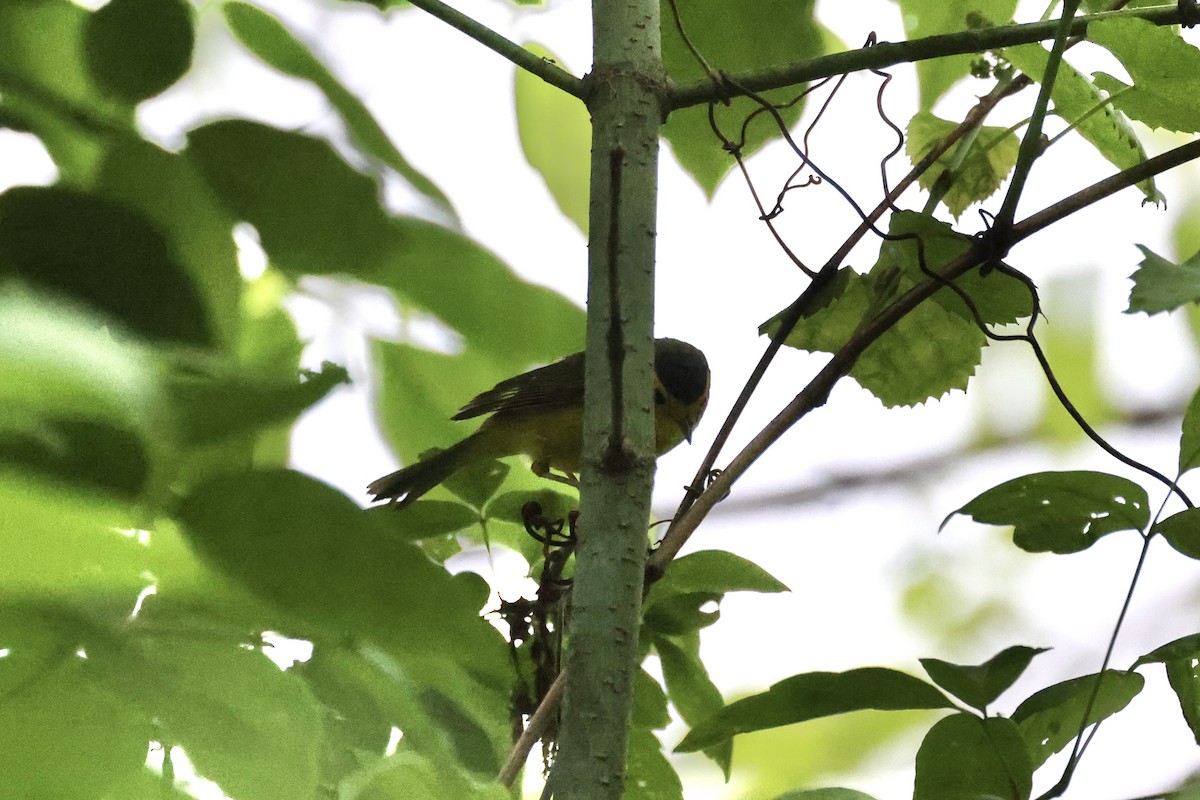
[{"x": 540, "y": 414}]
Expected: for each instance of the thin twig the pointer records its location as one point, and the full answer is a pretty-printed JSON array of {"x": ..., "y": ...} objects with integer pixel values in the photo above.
[
  {"x": 792, "y": 315},
  {"x": 538, "y": 723},
  {"x": 815, "y": 393},
  {"x": 547, "y": 70},
  {"x": 1031, "y": 143},
  {"x": 888, "y": 54}
]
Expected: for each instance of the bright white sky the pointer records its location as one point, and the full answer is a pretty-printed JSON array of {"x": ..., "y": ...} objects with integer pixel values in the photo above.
[{"x": 447, "y": 103}]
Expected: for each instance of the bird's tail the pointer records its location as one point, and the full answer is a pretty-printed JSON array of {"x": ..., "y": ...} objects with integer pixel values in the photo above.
[{"x": 405, "y": 485}]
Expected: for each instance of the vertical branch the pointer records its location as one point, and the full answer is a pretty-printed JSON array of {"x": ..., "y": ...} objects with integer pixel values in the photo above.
[
  {"x": 1031, "y": 144},
  {"x": 625, "y": 93}
]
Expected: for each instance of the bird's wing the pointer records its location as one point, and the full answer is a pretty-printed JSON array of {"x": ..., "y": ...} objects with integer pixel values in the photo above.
[{"x": 555, "y": 385}]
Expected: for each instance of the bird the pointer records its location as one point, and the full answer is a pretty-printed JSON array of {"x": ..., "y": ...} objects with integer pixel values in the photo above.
[{"x": 540, "y": 414}]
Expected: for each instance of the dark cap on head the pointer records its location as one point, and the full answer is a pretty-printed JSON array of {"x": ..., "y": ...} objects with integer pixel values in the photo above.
[{"x": 682, "y": 369}]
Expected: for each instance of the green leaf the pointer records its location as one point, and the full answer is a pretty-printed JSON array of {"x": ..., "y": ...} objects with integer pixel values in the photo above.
[
  {"x": 42, "y": 54},
  {"x": 323, "y": 219},
  {"x": 426, "y": 519},
  {"x": 106, "y": 255},
  {"x": 85, "y": 454},
  {"x": 829, "y": 793},
  {"x": 138, "y": 48},
  {"x": 356, "y": 719},
  {"x": 217, "y": 400},
  {"x": 71, "y": 391},
  {"x": 1081, "y": 104},
  {"x": 414, "y": 776},
  {"x": 66, "y": 544},
  {"x": 648, "y": 773},
  {"x": 760, "y": 34},
  {"x": 63, "y": 735},
  {"x": 826, "y": 328},
  {"x": 1182, "y": 531},
  {"x": 420, "y": 390},
  {"x": 476, "y": 484},
  {"x": 714, "y": 571},
  {"x": 451, "y": 712},
  {"x": 1162, "y": 285},
  {"x": 932, "y": 17},
  {"x": 999, "y": 297},
  {"x": 649, "y": 702},
  {"x": 965, "y": 756},
  {"x": 1061, "y": 512},
  {"x": 1050, "y": 719},
  {"x": 1184, "y": 647},
  {"x": 297, "y": 542},
  {"x": 1184, "y": 677},
  {"x": 679, "y": 603},
  {"x": 555, "y": 505},
  {"x": 514, "y": 322},
  {"x": 326, "y": 219},
  {"x": 1165, "y": 71},
  {"x": 681, "y": 614},
  {"x": 251, "y": 727},
  {"x": 978, "y": 686},
  {"x": 924, "y": 355},
  {"x": 812, "y": 695},
  {"x": 268, "y": 39},
  {"x": 992, "y": 156},
  {"x": 933, "y": 349},
  {"x": 146, "y": 784},
  {"x": 691, "y": 690},
  {"x": 167, "y": 189},
  {"x": 70, "y": 546},
  {"x": 556, "y": 137}
]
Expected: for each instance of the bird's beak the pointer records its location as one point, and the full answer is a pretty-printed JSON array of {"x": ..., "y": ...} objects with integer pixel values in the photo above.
[{"x": 689, "y": 425}]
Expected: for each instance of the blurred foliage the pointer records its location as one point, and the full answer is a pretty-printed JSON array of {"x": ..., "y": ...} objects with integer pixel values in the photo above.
[{"x": 156, "y": 544}]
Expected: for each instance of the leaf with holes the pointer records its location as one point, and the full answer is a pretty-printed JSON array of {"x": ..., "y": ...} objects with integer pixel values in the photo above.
[
  {"x": 1184, "y": 677},
  {"x": 1049, "y": 719},
  {"x": 1184, "y": 647},
  {"x": 1061, "y": 512}
]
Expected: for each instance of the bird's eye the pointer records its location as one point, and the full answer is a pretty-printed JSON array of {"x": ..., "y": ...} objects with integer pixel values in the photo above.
[{"x": 659, "y": 397}]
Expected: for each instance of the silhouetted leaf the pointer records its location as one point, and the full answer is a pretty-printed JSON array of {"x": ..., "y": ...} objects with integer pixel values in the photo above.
[{"x": 978, "y": 686}]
